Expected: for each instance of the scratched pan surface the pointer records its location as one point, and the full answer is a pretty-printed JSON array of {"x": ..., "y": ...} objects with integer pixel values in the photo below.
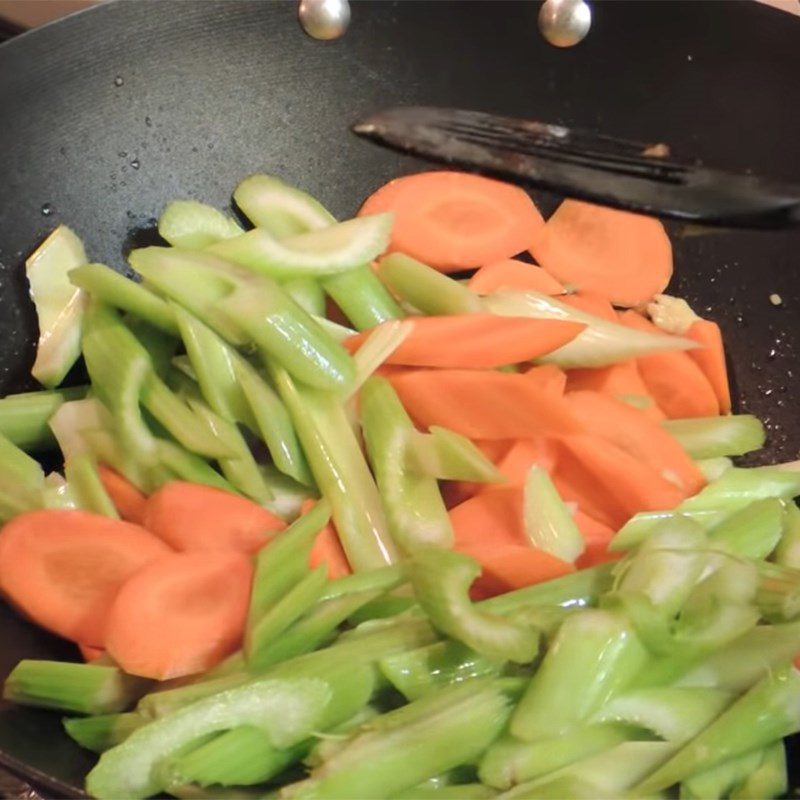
[{"x": 108, "y": 114}]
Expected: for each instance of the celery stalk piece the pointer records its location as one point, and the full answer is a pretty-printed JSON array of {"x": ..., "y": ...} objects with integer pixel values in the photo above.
[
  {"x": 84, "y": 688},
  {"x": 671, "y": 314},
  {"x": 777, "y": 593},
  {"x": 101, "y": 732},
  {"x": 84, "y": 480},
  {"x": 425, "y": 288},
  {"x": 22, "y": 481},
  {"x": 186, "y": 466},
  {"x": 601, "y": 343},
  {"x": 415, "y": 511},
  {"x": 672, "y": 713},
  {"x": 719, "y": 781},
  {"x": 241, "y": 756},
  {"x": 160, "y": 348},
  {"x": 57, "y": 492},
  {"x": 328, "y": 251},
  {"x": 287, "y": 711},
  {"x": 383, "y": 762},
  {"x": 714, "y": 468},
  {"x": 595, "y": 655},
  {"x": 458, "y": 791},
  {"x": 427, "y": 669},
  {"x": 768, "y": 779},
  {"x": 283, "y": 564},
  {"x": 361, "y": 296},
  {"x": 193, "y": 226},
  {"x": 576, "y": 590},
  {"x": 509, "y": 761},
  {"x": 341, "y": 473},
  {"x": 767, "y": 712},
  {"x": 59, "y": 304},
  {"x": 378, "y": 346},
  {"x": 299, "y": 600},
  {"x": 739, "y": 486},
  {"x": 24, "y": 417},
  {"x": 787, "y": 552},
  {"x": 308, "y": 294},
  {"x": 548, "y": 523},
  {"x": 281, "y": 210},
  {"x": 754, "y": 531},
  {"x": 336, "y": 331},
  {"x": 246, "y": 308},
  {"x": 441, "y": 581},
  {"x": 384, "y": 579},
  {"x": 711, "y": 437},
  {"x": 382, "y": 608},
  {"x": 107, "y": 285},
  {"x": 642, "y": 525},
  {"x": 447, "y": 455}
]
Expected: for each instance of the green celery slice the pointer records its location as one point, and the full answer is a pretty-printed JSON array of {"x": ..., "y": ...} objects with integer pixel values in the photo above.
[
  {"x": 447, "y": 455},
  {"x": 719, "y": 781},
  {"x": 99, "y": 733},
  {"x": 363, "y": 299},
  {"x": 22, "y": 481},
  {"x": 24, "y": 417},
  {"x": 754, "y": 531},
  {"x": 711, "y": 437},
  {"x": 87, "y": 488},
  {"x": 768, "y": 779},
  {"x": 787, "y": 552},
  {"x": 308, "y": 294},
  {"x": 378, "y": 346},
  {"x": 193, "y": 225}
]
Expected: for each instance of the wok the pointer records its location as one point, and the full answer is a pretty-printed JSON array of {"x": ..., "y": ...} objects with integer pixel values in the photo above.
[{"x": 199, "y": 94}]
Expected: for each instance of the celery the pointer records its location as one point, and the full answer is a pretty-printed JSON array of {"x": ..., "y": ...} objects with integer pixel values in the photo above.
[
  {"x": 382, "y": 608},
  {"x": 108, "y": 286},
  {"x": 341, "y": 473},
  {"x": 59, "y": 304},
  {"x": 362, "y": 298},
  {"x": 284, "y": 613},
  {"x": 57, "y": 492},
  {"x": 548, "y": 523},
  {"x": 719, "y": 781},
  {"x": 415, "y": 510},
  {"x": 160, "y": 348},
  {"x": 595, "y": 655},
  {"x": 426, "y": 289},
  {"x": 767, "y": 712},
  {"x": 447, "y": 455},
  {"x": 457, "y": 791},
  {"x": 711, "y": 437},
  {"x": 788, "y": 550},
  {"x": 308, "y": 294},
  {"x": 84, "y": 480},
  {"x": 441, "y": 581},
  {"x": 186, "y": 466},
  {"x": 24, "y": 417},
  {"x": 384, "y": 579},
  {"x": 737, "y": 487},
  {"x": 377, "y": 347},
  {"x": 426, "y": 669},
  {"x": 327, "y": 251},
  {"x": 101, "y": 732},
  {"x": 84, "y": 688},
  {"x": 601, "y": 343},
  {"x": 193, "y": 225},
  {"x": 754, "y": 531},
  {"x": 21, "y": 481},
  {"x": 768, "y": 779},
  {"x": 640, "y": 526},
  {"x": 714, "y": 468}
]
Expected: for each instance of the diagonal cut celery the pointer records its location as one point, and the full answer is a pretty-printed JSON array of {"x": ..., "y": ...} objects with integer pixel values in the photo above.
[
  {"x": 22, "y": 481},
  {"x": 87, "y": 488},
  {"x": 99, "y": 733},
  {"x": 193, "y": 225},
  {"x": 447, "y": 455},
  {"x": 711, "y": 437},
  {"x": 362, "y": 298},
  {"x": 24, "y": 417}
]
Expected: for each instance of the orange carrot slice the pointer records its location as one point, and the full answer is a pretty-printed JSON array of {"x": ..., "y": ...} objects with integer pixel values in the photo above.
[
  {"x": 475, "y": 341},
  {"x": 63, "y": 568},
  {"x": 190, "y": 516},
  {"x": 127, "y": 499},
  {"x": 673, "y": 379},
  {"x": 492, "y": 517},
  {"x": 592, "y": 304},
  {"x": 624, "y": 257},
  {"x": 327, "y": 549},
  {"x": 89, "y": 653},
  {"x": 550, "y": 377},
  {"x": 637, "y": 434},
  {"x": 454, "y": 220},
  {"x": 180, "y": 615},
  {"x": 526, "y": 453},
  {"x": 597, "y": 536},
  {"x": 483, "y": 405},
  {"x": 710, "y": 357},
  {"x": 513, "y": 274}
]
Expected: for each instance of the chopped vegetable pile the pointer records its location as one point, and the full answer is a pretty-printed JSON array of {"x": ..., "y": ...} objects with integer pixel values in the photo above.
[{"x": 381, "y": 509}]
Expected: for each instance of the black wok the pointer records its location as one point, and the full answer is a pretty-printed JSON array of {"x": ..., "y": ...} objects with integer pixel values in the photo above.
[{"x": 199, "y": 94}]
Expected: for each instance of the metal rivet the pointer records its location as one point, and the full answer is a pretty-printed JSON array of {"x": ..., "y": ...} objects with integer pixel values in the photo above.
[
  {"x": 564, "y": 23},
  {"x": 324, "y": 19}
]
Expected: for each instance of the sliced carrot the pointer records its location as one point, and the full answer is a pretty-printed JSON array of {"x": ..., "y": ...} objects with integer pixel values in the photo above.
[
  {"x": 615, "y": 484},
  {"x": 673, "y": 379},
  {"x": 327, "y": 549},
  {"x": 89, "y": 653},
  {"x": 469, "y": 341},
  {"x": 624, "y": 257},
  {"x": 492, "y": 517},
  {"x": 550, "y": 377},
  {"x": 455, "y": 220},
  {"x": 597, "y": 536},
  {"x": 512, "y": 566},
  {"x": 190, "y": 516},
  {"x": 483, "y": 405},
  {"x": 523, "y": 455},
  {"x": 63, "y": 568},
  {"x": 511, "y": 273},
  {"x": 616, "y": 380},
  {"x": 638, "y": 435},
  {"x": 127, "y": 499},
  {"x": 455, "y": 492},
  {"x": 710, "y": 357},
  {"x": 591, "y": 303},
  {"x": 181, "y": 614}
]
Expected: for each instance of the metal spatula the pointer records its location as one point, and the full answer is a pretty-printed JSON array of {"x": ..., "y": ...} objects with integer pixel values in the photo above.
[{"x": 627, "y": 175}]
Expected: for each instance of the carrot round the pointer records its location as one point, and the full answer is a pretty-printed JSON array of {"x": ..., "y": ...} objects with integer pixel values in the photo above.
[
  {"x": 190, "y": 516},
  {"x": 127, "y": 499},
  {"x": 63, "y": 568},
  {"x": 475, "y": 341},
  {"x": 511, "y": 273},
  {"x": 624, "y": 257},
  {"x": 181, "y": 614},
  {"x": 454, "y": 220},
  {"x": 89, "y": 653},
  {"x": 710, "y": 357},
  {"x": 483, "y": 405},
  {"x": 673, "y": 379}
]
